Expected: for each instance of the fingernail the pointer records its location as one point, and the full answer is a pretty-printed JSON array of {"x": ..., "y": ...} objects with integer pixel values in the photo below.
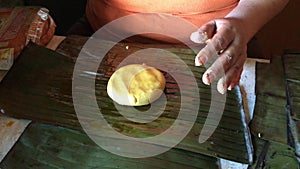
[
  {"x": 207, "y": 41},
  {"x": 203, "y": 37},
  {"x": 221, "y": 86},
  {"x": 199, "y": 37},
  {"x": 232, "y": 85},
  {"x": 198, "y": 61},
  {"x": 195, "y": 37},
  {"x": 222, "y": 91},
  {"x": 205, "y": 79},
  {"x": 208, "y": 77},
  {"x": 203, "y": 59}
]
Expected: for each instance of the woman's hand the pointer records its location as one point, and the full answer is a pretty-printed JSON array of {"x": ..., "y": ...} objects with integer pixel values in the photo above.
[
  {"x": 229, "y": 37},
  {"x": 227, "y": 42}
]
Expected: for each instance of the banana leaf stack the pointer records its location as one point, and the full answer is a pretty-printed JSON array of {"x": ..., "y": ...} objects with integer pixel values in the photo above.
[
  {"x": 272, "y": 127},
  {"x": 39, "y": 88},
  {"x": 47, "y": 146},
  {"x": 291, "y": 61},
  {"x": 270, "y": 116}
]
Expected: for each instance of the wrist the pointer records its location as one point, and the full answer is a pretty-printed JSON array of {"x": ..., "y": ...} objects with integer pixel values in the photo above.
[
  {"x": 244, "y": 29},
  {"x": 252, "y": 15}
]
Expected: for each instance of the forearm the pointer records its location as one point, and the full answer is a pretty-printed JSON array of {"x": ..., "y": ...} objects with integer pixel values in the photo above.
[{"x": 255, "y": 13}]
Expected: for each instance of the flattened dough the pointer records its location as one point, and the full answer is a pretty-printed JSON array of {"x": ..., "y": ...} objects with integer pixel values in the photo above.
[{"x": 136, "y": 85}]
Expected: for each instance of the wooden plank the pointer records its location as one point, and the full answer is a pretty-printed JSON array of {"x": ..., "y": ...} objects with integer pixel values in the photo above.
[{"x": 45, "y": 96}]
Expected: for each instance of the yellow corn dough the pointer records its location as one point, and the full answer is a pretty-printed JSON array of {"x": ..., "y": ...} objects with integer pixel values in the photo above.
[{"x": 136, "y": 85}]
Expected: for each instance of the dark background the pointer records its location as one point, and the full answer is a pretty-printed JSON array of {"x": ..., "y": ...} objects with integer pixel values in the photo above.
[{"x": 64, "y": 12}]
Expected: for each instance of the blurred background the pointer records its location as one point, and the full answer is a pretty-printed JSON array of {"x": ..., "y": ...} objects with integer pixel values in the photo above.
[{"x": 282, "y": 32}]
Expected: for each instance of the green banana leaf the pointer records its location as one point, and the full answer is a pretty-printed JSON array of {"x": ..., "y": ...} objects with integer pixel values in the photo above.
[
  {"x": 270, "y": 115},
  {"x": 292, "y": 68},
  {"x": 39, "y": 88},
  {"x": 291, "y": 60},
  {"x": 270, "y": 118},
  {"x": 269, "y": 154},
  {"x": 52, "y": 147}
]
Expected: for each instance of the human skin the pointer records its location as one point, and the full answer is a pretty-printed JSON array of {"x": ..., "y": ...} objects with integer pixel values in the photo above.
[{"x": 229, "y": 36}]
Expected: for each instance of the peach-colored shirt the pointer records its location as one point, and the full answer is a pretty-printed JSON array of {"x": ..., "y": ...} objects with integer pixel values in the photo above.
[{"x": 198, "y": 12}]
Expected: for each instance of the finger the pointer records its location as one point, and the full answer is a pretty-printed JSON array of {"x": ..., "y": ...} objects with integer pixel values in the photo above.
[
  {"x": 204, "y": 33},
  {"x": 223, "y": 37},
  {"x": 225, "y": 83},
  {"x": 231, "y": 77},
  {"x": 220, "y": 41},
  {"x": 209, "y": 28},
  {"x": 199, "y": 37},
  {"x": 221, "y": 64},
  {"x": 236, "y": 80},
  {"x": 205, "y": 54}
]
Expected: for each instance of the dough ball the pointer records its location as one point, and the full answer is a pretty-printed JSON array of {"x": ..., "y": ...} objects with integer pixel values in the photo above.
[{"x": 136, "y": 85}]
